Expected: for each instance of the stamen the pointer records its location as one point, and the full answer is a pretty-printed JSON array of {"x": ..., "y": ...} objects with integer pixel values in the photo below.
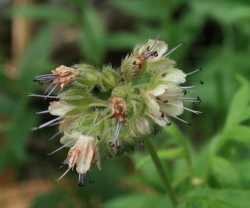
[
  {"x": 180, "y": 119},
  {"x": 188, "y": 87},
  {"x": 51, "y": 91},
  {"x": 60, "y": 148},
  {"x": 193, "y": 111},
  {"x": 44, "y": 75},
  {"x": 47, "y": 123},
  {"x": 185, "y": 108},
  {"x": 193, "y": 101},
  {"x": 82, "y": 179},
  {"x": 49, "y": 87},
  {"x": 54, "y": 124},
  {"x": 117, "y": 133},
  {"x": 193, "y": 72},
  {"x": 54, "y": 136},
  {"x": 42, "y": 112},
  {"x": 191, "y": 98},
  {"x": 65, "y": 173},
  {"x": 45, "y": 78},
  {"x": 43, "y": 96},
  {"x": 173, "y": 49}
]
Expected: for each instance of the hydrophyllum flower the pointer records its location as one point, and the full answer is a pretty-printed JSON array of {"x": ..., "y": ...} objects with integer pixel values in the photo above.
[
  {"x": 82, "y": 155},
  {"x": 166, "y": 101},
  {"x": 150, "y": 52},
  {"x": 100, "y": 111}
]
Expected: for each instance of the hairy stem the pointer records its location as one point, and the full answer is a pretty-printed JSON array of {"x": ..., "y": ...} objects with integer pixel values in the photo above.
[{"x": 161, "y": 171}]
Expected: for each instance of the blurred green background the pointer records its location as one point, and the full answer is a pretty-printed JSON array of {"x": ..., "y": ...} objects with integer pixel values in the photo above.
[{"x": 208, "y": 162}]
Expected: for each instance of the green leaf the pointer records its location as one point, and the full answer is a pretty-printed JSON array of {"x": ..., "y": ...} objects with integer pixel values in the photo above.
[
  {"x": 93, "y": 36},
  {"x": 137, "y": 200},
  {"x": 224, "y": 172},
  {"x": 46, "y": 13},
  {"x": 240, "y": 134},
  {"x": 213, "y": 198},
  {"x": 239, "y": 105},
  {"x": 243, "y": 167},
  {"x": 148, "y": 174}
]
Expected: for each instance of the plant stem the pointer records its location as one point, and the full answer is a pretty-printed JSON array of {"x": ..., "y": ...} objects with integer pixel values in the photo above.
[{"x": 161, "y": 171}]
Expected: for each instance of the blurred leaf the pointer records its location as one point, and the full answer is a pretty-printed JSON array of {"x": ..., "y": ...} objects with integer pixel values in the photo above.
[
  {"x": 46, "y": 13},
  {"x": 143, "y": 8},
  {"x": 238, "y": 112},
  {"x": 240, "y": 134},
  {"x": 212, "y": 198},
  {"x": 168, "y": 154},
  {"x": 36, "y": 59},
  {"x": 6, "y": 105},
  {"x": 239, "y": 105},
  {"x": 138, "y": 200},
  {"x": 53, "y": 200},
  {"x": 148, "y": 174},
  {"x": 93, "y": 36},
  {"x": 123, "y": 40},
  {"x": 224, "y": 172},
  {"x": 112, "y": 170},
  {"x": 183, "y": 142},
  {"x": 226, "y": 12},
  {"x": 243, "y": 167}
]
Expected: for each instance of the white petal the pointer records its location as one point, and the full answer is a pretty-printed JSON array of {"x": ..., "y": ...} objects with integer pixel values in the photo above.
[
  {"x": 159, "y": 90},
  {"x": 153, "y": 106},
  {"x": 143, "y": 126},
  {"x": 172, "y": 92},
  {"x": 70, "y": 138},
  {"x": 87, "y": 145},
  {"x": 173, "y": 108},
  {"x": 175, "y": 75},
  {"x": 161, "y": 121},
  {"x": 58, "y": 108}
]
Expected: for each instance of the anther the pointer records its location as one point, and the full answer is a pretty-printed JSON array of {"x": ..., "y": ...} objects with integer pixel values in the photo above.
[{"x": 82, "y": 179}]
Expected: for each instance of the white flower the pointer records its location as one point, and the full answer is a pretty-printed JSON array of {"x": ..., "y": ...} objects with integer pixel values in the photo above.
[
  {"x": 164, "y": 101},
  {"x": 82, "y": 155},
  {"x": 154, "y": 49},
  {"x": 173, "y": 75}
]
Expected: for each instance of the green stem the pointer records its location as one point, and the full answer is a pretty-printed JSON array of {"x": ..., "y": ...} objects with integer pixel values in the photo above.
[{"x": 161, "y": 171}]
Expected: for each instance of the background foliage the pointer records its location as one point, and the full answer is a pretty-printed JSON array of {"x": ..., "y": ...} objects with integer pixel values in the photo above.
[{"x": 208, "y": 162}]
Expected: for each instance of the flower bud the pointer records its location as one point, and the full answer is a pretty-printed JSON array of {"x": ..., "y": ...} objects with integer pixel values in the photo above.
[{"x": 64, "y": 76}]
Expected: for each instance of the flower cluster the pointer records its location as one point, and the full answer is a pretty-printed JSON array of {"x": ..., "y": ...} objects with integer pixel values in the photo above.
[{"x": 99, "y": 111}]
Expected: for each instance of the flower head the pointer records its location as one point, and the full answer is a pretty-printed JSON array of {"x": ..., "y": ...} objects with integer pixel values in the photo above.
[{"x": 108, "y": 106}]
